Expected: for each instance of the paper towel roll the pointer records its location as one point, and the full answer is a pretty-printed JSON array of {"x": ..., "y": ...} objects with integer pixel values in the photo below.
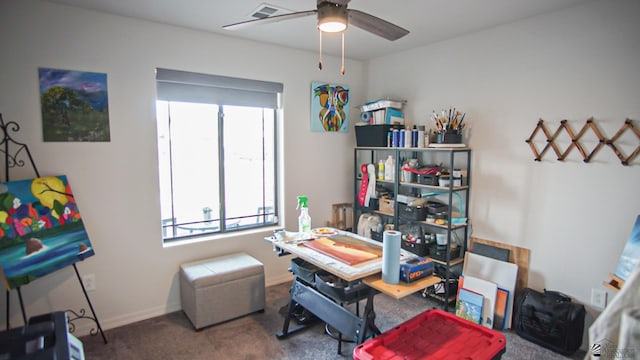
[
  {"x": 391, "y": 256},
  {"x": 365, "y": 116}
]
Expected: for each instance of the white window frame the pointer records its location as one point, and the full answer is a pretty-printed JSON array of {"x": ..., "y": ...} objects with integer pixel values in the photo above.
[{"x": 182, "y": 86}]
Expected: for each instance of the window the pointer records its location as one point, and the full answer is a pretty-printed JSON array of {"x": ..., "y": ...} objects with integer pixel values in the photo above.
[{"x": 216, "y": 153}]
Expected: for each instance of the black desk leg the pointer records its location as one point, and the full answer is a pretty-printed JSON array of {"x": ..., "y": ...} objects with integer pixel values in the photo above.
[
  {"x": 332, "y": 313},
  {"x": 287, "y": 317},
  {"x": 369, "y": 317}
]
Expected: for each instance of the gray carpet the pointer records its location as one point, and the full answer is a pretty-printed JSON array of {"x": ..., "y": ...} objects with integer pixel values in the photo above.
[{"x": 172, "y": 336}]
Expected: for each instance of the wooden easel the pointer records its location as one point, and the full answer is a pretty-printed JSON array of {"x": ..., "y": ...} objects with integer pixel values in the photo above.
[
  {"x": 12, "y": 159},
  {"x": 615, "y": 284}
]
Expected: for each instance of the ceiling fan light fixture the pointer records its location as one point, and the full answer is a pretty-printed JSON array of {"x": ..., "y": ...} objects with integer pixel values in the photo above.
[
  {"x": 332, "y": 26},
  {"x": 332, "y": 17}
]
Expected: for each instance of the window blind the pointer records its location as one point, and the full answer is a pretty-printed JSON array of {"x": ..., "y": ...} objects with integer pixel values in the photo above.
[{"x": 185, "y": 86}]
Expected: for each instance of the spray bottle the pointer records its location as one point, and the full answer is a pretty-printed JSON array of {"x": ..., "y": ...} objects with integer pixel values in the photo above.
[{"x": 304, "y": 220}]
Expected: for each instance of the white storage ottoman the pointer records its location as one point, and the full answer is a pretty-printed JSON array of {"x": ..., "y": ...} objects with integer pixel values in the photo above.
[{"x": 221, "y": 288}]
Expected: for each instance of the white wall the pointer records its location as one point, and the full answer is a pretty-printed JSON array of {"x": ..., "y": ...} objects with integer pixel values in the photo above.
[
  {"x": 115, "y": 183},
  {"x": 572, "y": 64}
]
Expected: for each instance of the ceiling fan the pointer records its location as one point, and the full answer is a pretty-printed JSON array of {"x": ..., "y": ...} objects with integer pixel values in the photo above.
[
  {"x": 336, "y": 13},
  {"x": 334, "y": 16}
]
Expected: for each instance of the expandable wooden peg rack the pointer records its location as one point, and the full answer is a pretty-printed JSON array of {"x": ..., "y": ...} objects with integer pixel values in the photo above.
[{"x": 575, "y": 141}]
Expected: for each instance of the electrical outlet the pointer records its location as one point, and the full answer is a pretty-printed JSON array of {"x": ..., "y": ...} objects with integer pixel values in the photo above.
[
  {"x": 599, "y": 297},
  {"x": 89, "y": 282}
]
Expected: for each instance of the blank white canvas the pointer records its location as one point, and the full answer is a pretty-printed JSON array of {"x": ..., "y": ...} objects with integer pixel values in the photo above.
[{"x": 502, "y": 273}]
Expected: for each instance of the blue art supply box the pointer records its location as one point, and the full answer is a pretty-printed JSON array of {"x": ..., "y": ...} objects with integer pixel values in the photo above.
[{"x": 416, "y": 269}]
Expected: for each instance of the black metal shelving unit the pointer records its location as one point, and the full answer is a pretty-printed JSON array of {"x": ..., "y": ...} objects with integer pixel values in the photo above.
[{"x": 451, "y": 158}]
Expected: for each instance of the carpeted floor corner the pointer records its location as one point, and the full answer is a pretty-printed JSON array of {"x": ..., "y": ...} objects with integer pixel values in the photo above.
[{"x": 172, "y": 336}]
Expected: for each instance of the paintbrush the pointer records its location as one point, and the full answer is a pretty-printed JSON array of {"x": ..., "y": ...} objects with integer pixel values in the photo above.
[{"x": 461, "y": 120}]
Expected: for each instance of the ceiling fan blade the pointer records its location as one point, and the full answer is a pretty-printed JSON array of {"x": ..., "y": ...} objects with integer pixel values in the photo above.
[
  {"x": 270, "y": 19},
  {"x": 375, "y": 25}
]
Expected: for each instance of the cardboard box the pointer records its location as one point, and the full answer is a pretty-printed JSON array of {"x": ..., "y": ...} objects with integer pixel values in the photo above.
[
  {"x": 416, "y": 269},
  {"x": 386, "y": 206}
]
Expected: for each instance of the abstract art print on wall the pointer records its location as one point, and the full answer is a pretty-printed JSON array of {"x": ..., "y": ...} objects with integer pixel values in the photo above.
[
  {"x": 41, "y": 229},
  {"x": 329, "y": 107},
  {"x": 74, "y": 105}
]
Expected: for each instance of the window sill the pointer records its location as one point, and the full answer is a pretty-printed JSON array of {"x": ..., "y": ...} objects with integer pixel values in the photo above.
[{"x": 267, "y": 231}]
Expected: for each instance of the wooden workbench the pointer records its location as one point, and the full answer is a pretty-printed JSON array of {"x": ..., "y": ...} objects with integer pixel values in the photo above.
[
  {"x": 370, "y": 271},
  {"x": 331, "y": 310},
  {"x": 401, "y": 289}
]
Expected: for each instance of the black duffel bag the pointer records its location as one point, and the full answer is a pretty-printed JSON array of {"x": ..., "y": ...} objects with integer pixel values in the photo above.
[{"x": 550, "y": 320}]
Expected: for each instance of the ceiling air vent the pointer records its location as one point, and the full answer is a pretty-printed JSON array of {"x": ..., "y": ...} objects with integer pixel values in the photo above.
[{"x": 266, "y": 10}]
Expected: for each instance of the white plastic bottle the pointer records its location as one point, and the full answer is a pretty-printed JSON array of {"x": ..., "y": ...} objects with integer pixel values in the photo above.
[
  {"x": 389, "y": 169},
  {"x": 381, "y": 170},
  {"x": 304, "y": 220}
]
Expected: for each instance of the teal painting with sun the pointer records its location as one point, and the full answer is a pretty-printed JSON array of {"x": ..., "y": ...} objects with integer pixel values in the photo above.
[{"x": 41, "y": 229}]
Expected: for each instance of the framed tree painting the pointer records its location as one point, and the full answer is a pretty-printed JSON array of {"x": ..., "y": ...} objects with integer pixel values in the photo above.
[
  {"x": 74, "y": 105},
  {"x": 41, "y": 229},
  {"x": 329, "y": 107}
]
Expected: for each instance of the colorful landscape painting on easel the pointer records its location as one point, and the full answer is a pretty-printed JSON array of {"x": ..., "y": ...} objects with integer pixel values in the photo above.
[{"x": 41, "y": 230}]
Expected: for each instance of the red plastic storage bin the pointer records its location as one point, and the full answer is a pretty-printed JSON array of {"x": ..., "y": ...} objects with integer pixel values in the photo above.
[{"x": 434, "y": 334}]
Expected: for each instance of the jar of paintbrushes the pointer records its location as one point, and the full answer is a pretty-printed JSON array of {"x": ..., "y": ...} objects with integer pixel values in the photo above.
[{"x": 449, "y": 125}]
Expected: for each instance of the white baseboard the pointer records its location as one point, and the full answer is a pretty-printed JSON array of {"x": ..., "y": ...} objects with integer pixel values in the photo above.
[{"x": 83, "y": 327}]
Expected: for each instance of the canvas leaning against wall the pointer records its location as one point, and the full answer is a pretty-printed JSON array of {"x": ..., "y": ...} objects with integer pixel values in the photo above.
[
  {"x": 74, "y": 104},
  {"x": 630, "y": 257},
  {"x": 41, "y": 229}
]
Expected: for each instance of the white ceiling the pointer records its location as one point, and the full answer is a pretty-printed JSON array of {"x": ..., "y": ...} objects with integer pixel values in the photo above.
[{"x": 428, "y": 21}]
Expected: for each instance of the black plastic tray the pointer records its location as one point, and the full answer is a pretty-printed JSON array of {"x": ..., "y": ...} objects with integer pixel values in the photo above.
[
  {"x": 418, "y": 249},
  {"x": 417, "y": 213},
  {"x": 304, "y": 270},
  {"x": 439, "y": 252},
  {"x": 339, "y": 289}
]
